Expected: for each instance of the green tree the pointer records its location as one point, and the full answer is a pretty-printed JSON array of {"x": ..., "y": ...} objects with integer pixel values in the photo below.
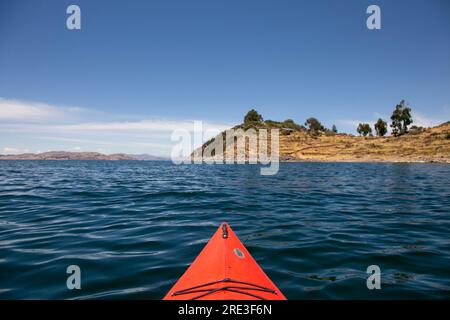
[
  {"x": 289, "y": 123},
  {"x": 334, "y": 129},
  {"x": 253, "y": 117},
  {"x": 364, "y": 129},
  {"x": 314, "y": 125},
  {"x": 381, "y": 127},
  {"x": 401, "y": 119}
]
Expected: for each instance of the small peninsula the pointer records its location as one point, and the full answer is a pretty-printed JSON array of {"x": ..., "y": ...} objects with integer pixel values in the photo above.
[{"x": 313, "y": 142}]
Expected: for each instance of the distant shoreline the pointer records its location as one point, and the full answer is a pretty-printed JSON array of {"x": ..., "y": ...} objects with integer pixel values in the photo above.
[
  {"x": 74, "y": 156},
  {"x": 281, "y": 161},
  {"x": 112, "y": 160}
]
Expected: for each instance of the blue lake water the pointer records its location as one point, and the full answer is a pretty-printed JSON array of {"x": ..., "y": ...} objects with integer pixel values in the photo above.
[{"x": 134, "y": 227}]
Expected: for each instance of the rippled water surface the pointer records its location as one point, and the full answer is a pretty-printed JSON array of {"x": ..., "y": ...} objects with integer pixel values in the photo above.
[{"x": 134, "y": 227}]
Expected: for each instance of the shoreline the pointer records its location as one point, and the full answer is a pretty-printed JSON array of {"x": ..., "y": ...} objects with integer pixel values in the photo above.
[{"x": 281, "y": 161}]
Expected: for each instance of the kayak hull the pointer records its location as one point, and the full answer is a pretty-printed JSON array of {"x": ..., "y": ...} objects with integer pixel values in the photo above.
[{"x": 224, "y": 270}]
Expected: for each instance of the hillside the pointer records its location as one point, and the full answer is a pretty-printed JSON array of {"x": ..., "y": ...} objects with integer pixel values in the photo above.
[
  {"x": 298, "y": 144},
  {"x": 430, "y": 145}
]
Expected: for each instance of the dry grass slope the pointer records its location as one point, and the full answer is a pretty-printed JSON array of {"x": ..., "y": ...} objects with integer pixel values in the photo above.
[{"x": 430, "y": 145}]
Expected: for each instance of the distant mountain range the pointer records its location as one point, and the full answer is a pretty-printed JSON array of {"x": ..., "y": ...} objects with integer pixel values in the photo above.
[{"x": 66, "y": 155}]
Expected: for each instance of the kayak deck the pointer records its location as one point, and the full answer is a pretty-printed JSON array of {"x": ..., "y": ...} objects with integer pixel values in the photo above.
[{"x": 224, "y": 270}]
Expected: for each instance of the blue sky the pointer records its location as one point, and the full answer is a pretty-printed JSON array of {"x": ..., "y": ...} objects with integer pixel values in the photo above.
[{"x": 138, "y": 69}]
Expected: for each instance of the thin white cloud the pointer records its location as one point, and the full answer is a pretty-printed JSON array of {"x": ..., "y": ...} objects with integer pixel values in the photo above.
[
  {"x": 103, "y": 142},
  {"x": 47, "y": 117},
  {"x": 28, "y": 111},
  {"x": 76, "y": 128},
  {"x": 137, "y": 128},
  {"x": 143, "y": 126},
  {"x": 354, "y": 123},
  {"x": 11, "y": 150},
  {"x": 421, "y": 120},
  {"x": 20, "y": 111}
]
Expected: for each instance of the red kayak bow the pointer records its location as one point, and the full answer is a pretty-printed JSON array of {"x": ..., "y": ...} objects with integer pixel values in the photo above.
[{"x": 224, "y": 270}]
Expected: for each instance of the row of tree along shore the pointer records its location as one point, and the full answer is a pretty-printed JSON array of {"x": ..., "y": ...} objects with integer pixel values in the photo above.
[{"x": 401, "y": 118}]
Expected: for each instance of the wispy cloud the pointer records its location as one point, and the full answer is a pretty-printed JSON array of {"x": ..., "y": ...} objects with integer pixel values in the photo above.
[
  {"x": 12, "y": 110},
  {"x": 73, "y": 128},
  {"x": 11, "y": 150},
  {"x": 354, "y": 123},
  {"x": 421, "y": 120},
  {"x": 150, "y": 125},
  {"x": 137, "y": 128}
]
